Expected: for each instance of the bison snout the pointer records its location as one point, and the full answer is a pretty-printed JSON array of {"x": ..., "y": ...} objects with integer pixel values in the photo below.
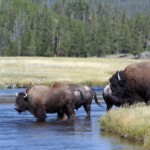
[{"x": 19, "y": 111}]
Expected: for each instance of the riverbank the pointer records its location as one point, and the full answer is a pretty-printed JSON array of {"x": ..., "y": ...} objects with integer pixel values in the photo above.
[
  {"x": 19, "y": 72},
  {"x": 129, "y": 122}
]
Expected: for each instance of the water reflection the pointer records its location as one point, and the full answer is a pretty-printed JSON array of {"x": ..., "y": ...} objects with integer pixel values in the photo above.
[{"x": 118, "y": 143}]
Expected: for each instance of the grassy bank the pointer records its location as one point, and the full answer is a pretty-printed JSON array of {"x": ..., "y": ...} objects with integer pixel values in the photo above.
[
  {"x": 46, "y": 70},
  {"x": 132, "y": 123}
]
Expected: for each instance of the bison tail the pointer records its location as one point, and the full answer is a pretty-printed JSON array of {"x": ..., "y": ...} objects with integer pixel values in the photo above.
[{"x": 95, "y": 98}]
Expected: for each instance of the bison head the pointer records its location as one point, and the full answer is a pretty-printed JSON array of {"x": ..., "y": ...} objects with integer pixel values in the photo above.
[
  {"x": 118, "y": 84},
  {"x": 21, "y": 102}
]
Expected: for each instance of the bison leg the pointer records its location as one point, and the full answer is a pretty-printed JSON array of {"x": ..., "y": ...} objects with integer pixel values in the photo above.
[
  {"x": 148, "y": 102},
  {"x": 59, "y": 114},
  {"x": 70, "y": 111},
  {"x": 87, "y": 108},
  {"x": 109, "y": 107},
  {"x": 147, "y": 99},
  {"x": 40, "y": 115}
]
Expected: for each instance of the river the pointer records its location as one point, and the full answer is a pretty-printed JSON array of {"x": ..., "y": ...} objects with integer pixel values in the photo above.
[{"x": 21, "y": 132}]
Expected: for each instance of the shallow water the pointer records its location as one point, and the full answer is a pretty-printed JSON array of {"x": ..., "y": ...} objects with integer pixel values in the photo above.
[{"x": 21, "y": 132}]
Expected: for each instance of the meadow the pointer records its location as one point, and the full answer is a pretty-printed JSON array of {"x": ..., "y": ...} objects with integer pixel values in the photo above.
[{"x": 27, "y": 71}]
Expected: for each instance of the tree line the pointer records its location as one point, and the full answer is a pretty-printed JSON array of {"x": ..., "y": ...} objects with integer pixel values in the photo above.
[{"x": 73, "y": 28}]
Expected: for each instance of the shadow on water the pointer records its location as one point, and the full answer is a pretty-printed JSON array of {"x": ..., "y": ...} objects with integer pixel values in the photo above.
[{"x": 21, "y": 132}]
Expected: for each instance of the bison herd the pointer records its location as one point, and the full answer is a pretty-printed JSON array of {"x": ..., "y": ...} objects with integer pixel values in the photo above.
[
  {"x": 60, "y": 98},
  {"x": 126, "y": 87}
]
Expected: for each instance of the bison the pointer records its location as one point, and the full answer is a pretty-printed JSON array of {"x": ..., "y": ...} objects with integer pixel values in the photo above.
[
  {"x": 39, "y": 100},
  {"x": 110, "y": 99},
  {"x": 132, "y": 84},
  {"x": 83, "y": 96}
]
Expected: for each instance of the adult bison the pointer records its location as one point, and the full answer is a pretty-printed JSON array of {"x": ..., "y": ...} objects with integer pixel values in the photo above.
[
  {"x": 133, "y": 83},
  {"x": 39, "y": 100},
  {"x": 110, "y": 99},
  {"x": 83, "y": 96}
]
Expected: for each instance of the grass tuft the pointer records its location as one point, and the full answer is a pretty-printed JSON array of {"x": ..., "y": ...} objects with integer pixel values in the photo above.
[{"x": 129, "y": 122}]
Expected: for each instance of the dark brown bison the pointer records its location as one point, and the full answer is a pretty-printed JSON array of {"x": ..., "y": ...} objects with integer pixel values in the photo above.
[
  {"x": 133, "y": 83},
  {"x": 110, "y": 99},
  {"x": 83, "y": 96},
  {"x": 39, "y": 100}
]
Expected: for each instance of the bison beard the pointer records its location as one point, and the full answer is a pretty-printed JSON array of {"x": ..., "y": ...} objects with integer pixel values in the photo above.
[
  {"x": 132, "y": 84},
  {"x": 40, "y": 100}
]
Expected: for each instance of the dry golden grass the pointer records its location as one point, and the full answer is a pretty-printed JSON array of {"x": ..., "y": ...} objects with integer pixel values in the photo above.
[
  {"x": 46, "y": 70},
  {"x": 130, "y": 122}
]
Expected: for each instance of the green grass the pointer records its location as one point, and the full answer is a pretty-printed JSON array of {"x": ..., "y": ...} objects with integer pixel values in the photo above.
[
  {"x": 130, "y": 122},
  {"x": 46, "y": 70}
]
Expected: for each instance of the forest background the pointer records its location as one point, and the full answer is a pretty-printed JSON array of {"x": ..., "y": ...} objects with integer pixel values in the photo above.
[{"x": 74, "y": 28}]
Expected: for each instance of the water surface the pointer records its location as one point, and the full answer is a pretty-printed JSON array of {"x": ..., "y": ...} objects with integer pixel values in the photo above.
[{"x": 21, "y": 132}]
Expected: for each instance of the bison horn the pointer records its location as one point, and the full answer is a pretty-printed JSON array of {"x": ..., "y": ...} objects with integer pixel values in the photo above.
[
  {"x": 16, "y": 94},
  {"x": 25, "y": 95},
  {"x": 119, "y": 78}
]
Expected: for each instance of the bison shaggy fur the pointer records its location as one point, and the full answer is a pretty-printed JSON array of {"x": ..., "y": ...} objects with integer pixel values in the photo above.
[
  {"x": 39, "y": 100},
  {"x": 133, "y": 83},
  {"x": 110, "y": 99}
]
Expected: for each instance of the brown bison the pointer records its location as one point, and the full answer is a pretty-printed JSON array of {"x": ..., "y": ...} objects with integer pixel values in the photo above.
[
  {"x": 83, "y": 96},
  {"x": 39, "y": 100},
  {"x": 132, "y": 84}
]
